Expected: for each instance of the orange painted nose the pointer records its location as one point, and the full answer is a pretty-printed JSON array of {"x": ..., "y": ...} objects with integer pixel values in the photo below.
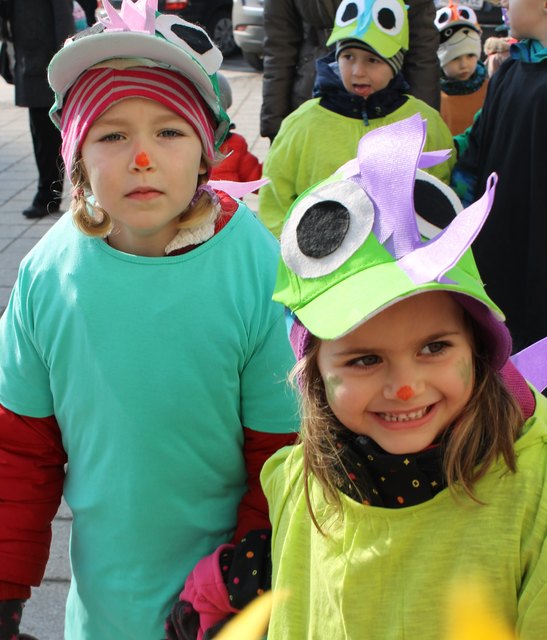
[
  {"x": 405, "y": 393},
  {"x": 142, "y": 160}
]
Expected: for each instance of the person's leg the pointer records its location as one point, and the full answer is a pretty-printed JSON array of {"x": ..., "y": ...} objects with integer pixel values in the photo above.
[{"x": 46, "y": 140}]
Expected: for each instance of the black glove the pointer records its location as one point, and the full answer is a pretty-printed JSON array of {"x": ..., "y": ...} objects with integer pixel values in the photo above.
[
  {"x": 217, "y": 628},
  {"x": 11, "y": 612},
  {"x": 182, "y": 623}
]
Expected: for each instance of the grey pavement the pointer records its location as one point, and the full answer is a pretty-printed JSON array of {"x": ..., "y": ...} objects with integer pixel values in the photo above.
[{"x": 44, "y": 612}]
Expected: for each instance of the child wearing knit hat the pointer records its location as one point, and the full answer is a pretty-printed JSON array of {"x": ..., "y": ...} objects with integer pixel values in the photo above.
[
  {"x": 239, "y": 164},
  {"x": 464, "y": 78},
  {"x": 359, "y": 87},
  {"x": 140, "y": 346}
]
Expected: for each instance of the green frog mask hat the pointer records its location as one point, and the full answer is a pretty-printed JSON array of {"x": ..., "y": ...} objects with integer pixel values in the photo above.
[
  {"x": 378, "y": 231},
  {"x": 380, "y": 26}
]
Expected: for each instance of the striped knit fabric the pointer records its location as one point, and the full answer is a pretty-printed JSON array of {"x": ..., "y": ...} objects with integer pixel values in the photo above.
[
  {"x": 98, "y": 89},
  {"x": 395, "y": 62}
]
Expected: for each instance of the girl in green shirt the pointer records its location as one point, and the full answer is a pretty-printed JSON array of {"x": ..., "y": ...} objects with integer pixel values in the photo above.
[{"x": 422, "y": 462}]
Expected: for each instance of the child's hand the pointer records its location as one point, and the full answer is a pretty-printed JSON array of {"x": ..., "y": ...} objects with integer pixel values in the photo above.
[
  {"x": 183, "y": 622},
  {"x": 220, "y": 585},
  {"x": 204, "y": 601}
]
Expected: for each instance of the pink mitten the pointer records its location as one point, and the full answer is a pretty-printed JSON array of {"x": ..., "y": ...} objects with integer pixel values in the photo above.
[{"x": 206, "y": 592}]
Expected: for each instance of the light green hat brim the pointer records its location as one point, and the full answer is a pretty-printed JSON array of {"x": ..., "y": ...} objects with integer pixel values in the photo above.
[{"x": 365, "y": 294}]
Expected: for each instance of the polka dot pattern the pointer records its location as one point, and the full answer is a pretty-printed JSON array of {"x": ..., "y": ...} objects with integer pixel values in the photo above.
[
  {"x": 368, "y": 474},
  {"x": 247, "y": 569}
]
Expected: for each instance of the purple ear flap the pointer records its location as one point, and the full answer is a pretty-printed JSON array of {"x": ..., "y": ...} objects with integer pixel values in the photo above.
[{"x": 532, "y": 363}]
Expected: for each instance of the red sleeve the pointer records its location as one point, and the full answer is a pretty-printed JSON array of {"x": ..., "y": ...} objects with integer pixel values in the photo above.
[
  {"x": 253, "y": 509},
  {"x": 32, "y": 462},
  {"x": 249, "y": 167}
]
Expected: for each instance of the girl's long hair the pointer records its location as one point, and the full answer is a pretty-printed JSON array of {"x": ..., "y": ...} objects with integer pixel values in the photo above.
[
  {"x": 93, "y": 220},
  {"x": 485, "y": 431}
]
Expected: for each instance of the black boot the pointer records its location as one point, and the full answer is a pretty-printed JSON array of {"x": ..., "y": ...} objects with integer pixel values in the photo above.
[{"x": 40, "y": 208}]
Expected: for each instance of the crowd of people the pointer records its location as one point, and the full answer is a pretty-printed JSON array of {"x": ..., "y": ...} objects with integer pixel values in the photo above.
[{"x": 339, "y": 398}]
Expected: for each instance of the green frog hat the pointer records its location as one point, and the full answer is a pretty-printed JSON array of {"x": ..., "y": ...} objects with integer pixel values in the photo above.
[
  {"x": 379, "y": 231},
  {"x": 382, "y": 25}
]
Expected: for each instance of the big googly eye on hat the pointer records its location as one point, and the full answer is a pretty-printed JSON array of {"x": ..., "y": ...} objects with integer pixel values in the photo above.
[
  {"x": 388, "y": 16},
  {"x": 193, "y": 39},
  {"x": 443, "y": 17},
  {"x": 325, "y": 228},
  {"x": 382, "y": 24},
  {"x": 348, "y": 12},
  {"x": 435, "y": 204},
  {"x": 467, "y": 13}
]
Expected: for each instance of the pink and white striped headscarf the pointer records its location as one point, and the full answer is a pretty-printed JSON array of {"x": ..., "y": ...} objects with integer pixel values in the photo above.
[{"x": 98, "y": 89}]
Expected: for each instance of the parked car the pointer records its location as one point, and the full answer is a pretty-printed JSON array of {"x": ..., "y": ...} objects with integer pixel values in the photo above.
[
  {"x": 248, "y": 24},
  {"x": 215, "y": 16}
]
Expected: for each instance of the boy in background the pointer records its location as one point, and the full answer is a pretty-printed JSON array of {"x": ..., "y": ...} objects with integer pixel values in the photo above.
[
  {"x": 239, "y": 164},
  {"x": 464, "y": 78},
  {"x": 359, "y": 87}
]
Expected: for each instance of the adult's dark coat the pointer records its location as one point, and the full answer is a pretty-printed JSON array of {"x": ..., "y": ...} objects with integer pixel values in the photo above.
[
  {"x": 39, "y": 28},
  {"x": 296, "y": 35}
]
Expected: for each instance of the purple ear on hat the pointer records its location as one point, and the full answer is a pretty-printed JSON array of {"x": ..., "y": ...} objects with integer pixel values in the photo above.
[
  {"x": 531, "y": 362},
  {"x": 299, "y": 336},
  {"x": 494, "y": 332}
]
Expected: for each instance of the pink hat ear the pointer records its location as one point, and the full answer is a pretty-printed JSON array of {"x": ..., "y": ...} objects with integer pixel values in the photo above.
[
  {"x": 299, "y": 336},
  {"x": 238, "y": 189},
  {"x": 494, "y": 333}
]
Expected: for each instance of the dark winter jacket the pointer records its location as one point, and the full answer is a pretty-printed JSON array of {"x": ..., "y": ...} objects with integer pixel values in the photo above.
[{"x": 39, "y": 28}]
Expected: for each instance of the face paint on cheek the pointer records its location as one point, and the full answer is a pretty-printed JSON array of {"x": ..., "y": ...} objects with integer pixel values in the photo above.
[
  {"x": 332, "y": 382},
  {"x": 465, "y": 370}
]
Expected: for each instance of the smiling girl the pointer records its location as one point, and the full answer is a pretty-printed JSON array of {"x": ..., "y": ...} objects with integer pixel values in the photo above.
[{"x": 423, "y": 457}]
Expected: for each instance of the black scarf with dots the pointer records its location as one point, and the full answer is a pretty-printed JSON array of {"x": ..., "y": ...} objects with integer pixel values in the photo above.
[{"x": 368, "y": 474}]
